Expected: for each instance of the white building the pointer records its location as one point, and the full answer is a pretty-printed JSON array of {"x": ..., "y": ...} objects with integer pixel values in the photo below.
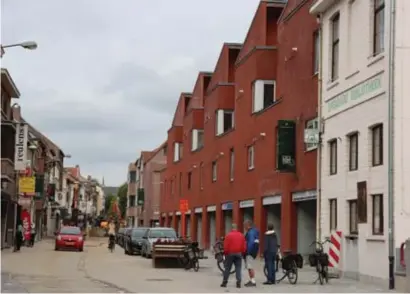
[{"x": 355, "y": 131}]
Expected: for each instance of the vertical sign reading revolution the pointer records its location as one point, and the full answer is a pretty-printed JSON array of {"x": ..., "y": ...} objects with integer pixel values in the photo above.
[{"x": 20, "y": 148}]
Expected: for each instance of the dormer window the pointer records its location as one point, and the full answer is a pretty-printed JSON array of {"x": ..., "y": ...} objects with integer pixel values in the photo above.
[
  {"x": 178, "y": 149},
  {"x": 224, "y": 121},
  {"x": 197, "y": 139},
  {"x": 263, "y": 95}
]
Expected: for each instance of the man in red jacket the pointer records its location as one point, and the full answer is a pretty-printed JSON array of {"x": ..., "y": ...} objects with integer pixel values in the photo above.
[{"x": 234, "y": 249}]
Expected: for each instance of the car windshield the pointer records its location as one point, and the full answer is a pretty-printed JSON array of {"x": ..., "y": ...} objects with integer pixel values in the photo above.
[
  {"x": 70, "y": 231},
  {"x": 138, "y": 233},
  {"x": 162, "y": 234}
]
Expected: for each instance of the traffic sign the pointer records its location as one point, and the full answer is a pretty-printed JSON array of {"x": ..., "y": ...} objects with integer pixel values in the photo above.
[{"x": 183, "y": 205}]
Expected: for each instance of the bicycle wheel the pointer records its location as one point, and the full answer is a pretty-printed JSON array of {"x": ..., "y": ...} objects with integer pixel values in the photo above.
[
  {"x": 196, "y": 265},
  {"x": 293, "y": 273},
  {"x": 326, "y": 274},
  {"x": 320, "y": 273},
  {"x": 183, "y": 261}
]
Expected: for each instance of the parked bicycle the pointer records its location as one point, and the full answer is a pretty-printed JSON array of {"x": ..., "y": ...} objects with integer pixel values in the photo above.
[
  {"x": 320, "y": 260},
  {"x": 219, "y": 255},
  {"x": 190, "y": 257},
  {"x": 290, "y": 263}
]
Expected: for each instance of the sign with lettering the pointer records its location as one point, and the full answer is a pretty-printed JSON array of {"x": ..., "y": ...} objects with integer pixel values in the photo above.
[
  {"x": 27, "y": 185},
  {"x": 355, "y": 95},
  {"x": 20, "y": 153}
]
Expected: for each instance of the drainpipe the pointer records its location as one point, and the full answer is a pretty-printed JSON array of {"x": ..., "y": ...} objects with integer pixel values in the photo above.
[
  {"x": 319, "y": 145},
  {"x": 392, "y": 47}
]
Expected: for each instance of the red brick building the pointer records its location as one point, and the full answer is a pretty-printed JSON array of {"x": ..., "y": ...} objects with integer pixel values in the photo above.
[{"x": 223, "y": 143}]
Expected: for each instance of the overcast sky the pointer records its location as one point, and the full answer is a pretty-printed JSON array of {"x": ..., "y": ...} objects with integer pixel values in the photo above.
[{"x": 105, "y": 79}]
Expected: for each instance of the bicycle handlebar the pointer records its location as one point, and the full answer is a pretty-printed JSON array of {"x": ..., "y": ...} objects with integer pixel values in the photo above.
[{"x": 327, "y": 240}]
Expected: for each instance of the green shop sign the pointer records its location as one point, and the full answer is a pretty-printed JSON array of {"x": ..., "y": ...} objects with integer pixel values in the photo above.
[{"x": 354, "y": 95}]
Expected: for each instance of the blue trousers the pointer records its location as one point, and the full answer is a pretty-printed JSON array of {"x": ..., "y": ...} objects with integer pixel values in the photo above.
[
  {"x": 270, "y": 262},
  {"x": 230, "y": 260}
]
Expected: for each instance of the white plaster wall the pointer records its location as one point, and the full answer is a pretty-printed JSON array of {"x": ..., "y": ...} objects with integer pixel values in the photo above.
[
  {"x": 355, "y": 66},
  {"x": 402, "y": 123}
]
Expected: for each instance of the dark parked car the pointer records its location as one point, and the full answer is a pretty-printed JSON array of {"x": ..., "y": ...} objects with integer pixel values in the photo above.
[
  {"x": 133, "y": 240},
  {"x": 119, "y": 235}
]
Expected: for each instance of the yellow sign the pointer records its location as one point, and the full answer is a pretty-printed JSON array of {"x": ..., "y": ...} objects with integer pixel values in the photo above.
[{"x": 27, "y": 185}]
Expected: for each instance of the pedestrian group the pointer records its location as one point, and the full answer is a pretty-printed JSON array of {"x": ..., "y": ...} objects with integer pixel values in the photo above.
[{"x": 239, "y": 247}]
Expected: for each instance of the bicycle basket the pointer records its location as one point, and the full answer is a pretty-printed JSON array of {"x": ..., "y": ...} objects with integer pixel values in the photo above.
[
  {"x": 287, "y": 262},
  {"x": 312, "y": 260},
  {"x": 323, "y": 259},
  {"x": 299, "y": 260}
]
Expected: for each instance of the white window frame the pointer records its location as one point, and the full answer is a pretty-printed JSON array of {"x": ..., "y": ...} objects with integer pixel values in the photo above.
[
  {"x": 312, "y": 124},
  {"x": 214, "y": 171},
  {"x": 194, "y": 140},
  {"x": 258, "y": 89},
  {"x": 232, "y": 164},
  {"x": 176, "y": 151},
  {"x": 220, "y": 121},
  {"x": 251, "y": 157}
]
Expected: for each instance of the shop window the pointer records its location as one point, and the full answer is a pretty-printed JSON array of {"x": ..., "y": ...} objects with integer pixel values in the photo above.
[{"x": 333, "y": 214}]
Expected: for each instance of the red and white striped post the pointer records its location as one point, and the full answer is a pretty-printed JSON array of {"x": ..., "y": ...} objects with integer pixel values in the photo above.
[{"x": 335, "y": 251}]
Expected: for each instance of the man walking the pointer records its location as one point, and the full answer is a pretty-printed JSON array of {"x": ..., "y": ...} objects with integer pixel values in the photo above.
[
  {"x": 252, "y": 248},
  {"x": 33, "y": 234},
  {"x": 269, "y": 253},
  {"x": 234, "y": 248}
]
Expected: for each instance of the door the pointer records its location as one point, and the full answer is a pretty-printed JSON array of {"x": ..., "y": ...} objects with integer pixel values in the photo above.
[
  {"x": 188, "y": 226},
  {"x": 273, "y": 216},
  {"x": 228, "y": 221},
  {"x": 212, "y": 228},
  {"x": 179, "y": 226},
  {"x": 248, "y": 214},
  {"x": 199, "y": 230},
  {"x": 306, "y": 221}
]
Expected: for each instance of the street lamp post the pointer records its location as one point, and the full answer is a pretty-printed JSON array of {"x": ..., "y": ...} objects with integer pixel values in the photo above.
[{"x": 29, "y": 45}]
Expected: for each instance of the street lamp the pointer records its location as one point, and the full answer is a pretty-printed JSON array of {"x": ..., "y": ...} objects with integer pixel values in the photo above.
[{"x": 30, "y": 45}]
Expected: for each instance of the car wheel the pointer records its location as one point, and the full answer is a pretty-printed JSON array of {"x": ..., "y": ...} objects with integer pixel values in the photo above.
[
  {"x": 125, "y": 249},
  {"x": 143, "y": 252},
  {"x": 81, "y": 249},
  {"x": 56, "y": 248}
]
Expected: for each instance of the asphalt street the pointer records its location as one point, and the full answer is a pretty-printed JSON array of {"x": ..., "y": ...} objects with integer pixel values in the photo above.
[{"x": 41, "y": 269}]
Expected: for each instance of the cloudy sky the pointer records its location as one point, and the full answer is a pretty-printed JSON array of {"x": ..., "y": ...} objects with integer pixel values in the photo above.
[{"x": 104, "y": 81}]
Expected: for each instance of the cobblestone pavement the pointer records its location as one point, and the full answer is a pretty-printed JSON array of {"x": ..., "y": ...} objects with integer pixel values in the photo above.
[{"x": 41, "y": 269}]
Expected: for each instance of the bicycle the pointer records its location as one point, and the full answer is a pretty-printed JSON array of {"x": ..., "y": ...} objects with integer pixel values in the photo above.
[
  {"x": 219, "y": 255},
  {"x": 290, "y": 263},
  {"x": 190, "y": 257},
  {"x": 320, "y": 260}
]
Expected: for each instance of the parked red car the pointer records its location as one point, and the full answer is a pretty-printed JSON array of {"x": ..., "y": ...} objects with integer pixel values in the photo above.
[{"x": 69, "y": 237}]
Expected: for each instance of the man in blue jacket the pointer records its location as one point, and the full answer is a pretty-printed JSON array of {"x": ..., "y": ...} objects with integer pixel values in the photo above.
[
  {"x": 252, "y": 245},
  {"x": 269, "y": 253}
]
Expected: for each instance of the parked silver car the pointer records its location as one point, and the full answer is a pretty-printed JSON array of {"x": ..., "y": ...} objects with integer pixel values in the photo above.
[{"x": 152, "y": 235}]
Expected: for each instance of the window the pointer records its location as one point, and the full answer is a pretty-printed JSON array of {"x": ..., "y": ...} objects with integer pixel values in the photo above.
[
  {"x": 180, "y": 184},
  {"x": 335, "y": 47},
  {"x": 177, "y": 151},
  {"x": 362, "y": 202},
  {"x": 312, "y": 124},
  {"x": 133, "y": 176},
  {"x": 377, "y": 215},
  {"x": 333, "y": 157},
  {"x": 377, "y": 145},
  {"x": 333, "y": 214},
  {"x": 181, "y": 150},
  {"x": 353, "y": 217},
  {"x": 263, "y": 95},
  {"x": 214, "y": 171},
  {"x": 231, "y": 164},
  {"x": 251, "y": 157},
  {"x": 316, "y": 51},
  {"x": 197, "y": 139},
  {"x": 132, "y": 201},
  {"x": 201, "y": 176},
  {"x": 224, "y": 121},
  {"x": 353, "y": 152},
  {"x": 189, "y": 179},
  {"x": 378, "y": 27}
]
